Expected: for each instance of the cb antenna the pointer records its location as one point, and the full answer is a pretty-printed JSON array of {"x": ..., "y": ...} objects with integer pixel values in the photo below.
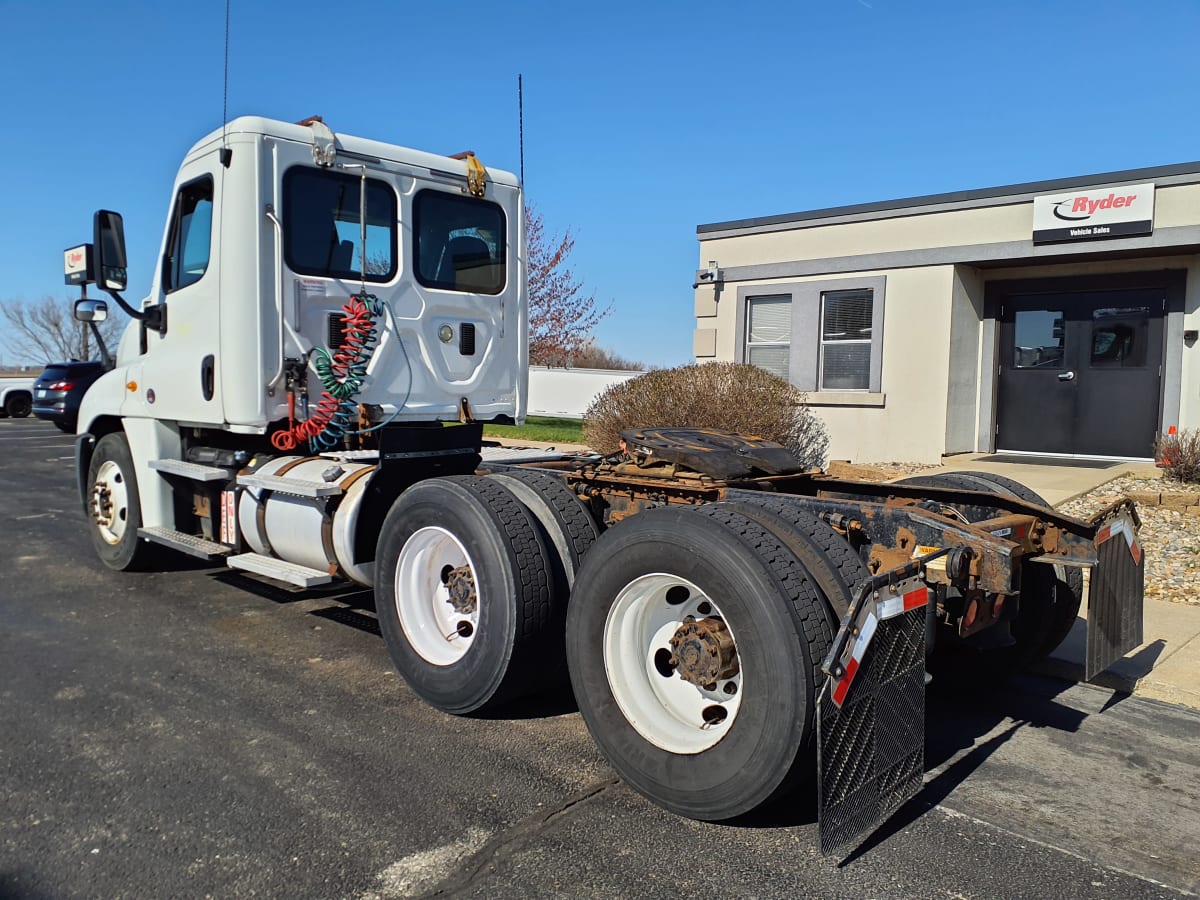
[
  {"x": 520, "y": 123},
  {"x": 226, "y": 154}
]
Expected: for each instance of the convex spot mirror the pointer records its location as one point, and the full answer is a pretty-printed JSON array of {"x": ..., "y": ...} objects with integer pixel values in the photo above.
[
  {"x": 109, "y": 243},
  {"x": 91, "y": 310}
]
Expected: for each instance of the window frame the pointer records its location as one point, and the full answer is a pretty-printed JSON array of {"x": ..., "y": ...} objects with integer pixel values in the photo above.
[
  {"x": 804, "y": 368},
  {"x": 354, "y": 181},
  {"x": 766, "y": 345},
  {"x": 434, "y": 284},
  {"x": 825, "y": 342},
  {"x": 171, "y": 265}
]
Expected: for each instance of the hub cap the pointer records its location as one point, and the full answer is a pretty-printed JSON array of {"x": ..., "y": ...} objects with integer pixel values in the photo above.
[
  {"x": 672, "y": 663},
  {"x": 110, "y": 502},
  {"x": 437, "y": 599}
]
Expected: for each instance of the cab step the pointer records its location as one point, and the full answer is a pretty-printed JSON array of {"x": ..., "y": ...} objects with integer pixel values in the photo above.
[
  {"x": 183, "y": 542},
  {"x": 194, "y": 471},
  {"x": 278, "y": 570},
  {"x": 292, "y": 486}
]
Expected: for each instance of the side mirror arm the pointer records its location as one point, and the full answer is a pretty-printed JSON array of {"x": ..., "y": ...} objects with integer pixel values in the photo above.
[{"x": 154, "y": 316}]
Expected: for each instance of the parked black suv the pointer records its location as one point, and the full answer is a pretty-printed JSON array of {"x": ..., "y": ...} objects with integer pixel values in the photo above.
[{"x": 59, "y": 390}]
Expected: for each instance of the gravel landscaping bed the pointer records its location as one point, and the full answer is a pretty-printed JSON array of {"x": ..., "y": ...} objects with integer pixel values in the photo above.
[{"x": 1170, "y": 537}]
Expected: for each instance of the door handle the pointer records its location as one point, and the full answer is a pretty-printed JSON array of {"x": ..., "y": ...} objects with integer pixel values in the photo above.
[
  {"x": 208, "y": 377},
  {"x": 1066, "y": 376}
]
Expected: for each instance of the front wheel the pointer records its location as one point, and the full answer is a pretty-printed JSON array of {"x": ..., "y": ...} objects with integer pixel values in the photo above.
[
  {"x": 114, "y": 506},
  {"x": 693, "y": 643}
]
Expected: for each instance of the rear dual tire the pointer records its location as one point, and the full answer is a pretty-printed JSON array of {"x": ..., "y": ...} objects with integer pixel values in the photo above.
[
  {"x": 1050, "y": 594},
  {"x": 444, "y": 540},
  {"x": 701, "y": 751}
]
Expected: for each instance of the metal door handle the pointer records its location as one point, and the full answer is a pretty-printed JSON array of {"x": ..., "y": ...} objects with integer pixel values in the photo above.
[{"x": 1066, "y": 376}]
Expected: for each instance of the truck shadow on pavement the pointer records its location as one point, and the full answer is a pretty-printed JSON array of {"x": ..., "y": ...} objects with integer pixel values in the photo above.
[{"x": 962, "y": 716}]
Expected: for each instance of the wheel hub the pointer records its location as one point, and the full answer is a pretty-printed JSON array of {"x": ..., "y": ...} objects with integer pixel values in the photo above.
[
  {"x": 102, "y": 505},
  {"x": 460, "y": 585},
  {"x": 703, "y": 652}
]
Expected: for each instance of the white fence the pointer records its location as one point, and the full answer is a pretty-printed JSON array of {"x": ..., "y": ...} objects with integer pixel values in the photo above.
[{"x": 567, "y": 393}]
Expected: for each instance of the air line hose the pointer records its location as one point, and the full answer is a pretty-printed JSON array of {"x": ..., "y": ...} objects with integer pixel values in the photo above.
[{"x": 341, "y": 374}]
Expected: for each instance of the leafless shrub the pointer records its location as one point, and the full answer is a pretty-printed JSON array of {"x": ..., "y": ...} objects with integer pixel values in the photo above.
[
  {"x": 731, "y": 396},
  {"x": 1179, "y": 455}
]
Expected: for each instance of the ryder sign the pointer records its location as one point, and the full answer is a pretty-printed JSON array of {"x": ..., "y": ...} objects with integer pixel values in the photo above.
[{"x": 1093, "y": 215}]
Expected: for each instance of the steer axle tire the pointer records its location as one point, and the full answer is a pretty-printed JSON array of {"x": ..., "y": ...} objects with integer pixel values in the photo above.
[
  {"x": 707, "y": 749},
  {"x": 113, "y": 507},
  {"x": 464, "y": 594}
]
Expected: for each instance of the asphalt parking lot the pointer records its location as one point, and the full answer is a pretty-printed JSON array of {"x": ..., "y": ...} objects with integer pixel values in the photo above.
[{"x": 192, "y": 733}]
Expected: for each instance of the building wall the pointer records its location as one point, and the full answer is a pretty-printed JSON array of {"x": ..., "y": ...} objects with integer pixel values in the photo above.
[{"x": 938, "y": 382}]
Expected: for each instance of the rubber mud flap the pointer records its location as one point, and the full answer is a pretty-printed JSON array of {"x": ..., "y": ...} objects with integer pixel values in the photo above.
[
  {"x": 871, "y": 719},
  {"x": 1116, "y": 594}
]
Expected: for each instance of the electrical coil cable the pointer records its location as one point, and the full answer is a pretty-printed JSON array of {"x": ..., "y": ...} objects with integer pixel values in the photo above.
[{"x": 341, "y": 374}]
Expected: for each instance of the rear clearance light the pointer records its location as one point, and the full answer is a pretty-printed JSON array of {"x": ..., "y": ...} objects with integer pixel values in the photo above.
[{"x": 61, "y": 386}]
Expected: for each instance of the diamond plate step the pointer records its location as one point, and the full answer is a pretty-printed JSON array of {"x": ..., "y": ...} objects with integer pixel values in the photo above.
[
  {"x": 290, "y": 485},
  {"x": 194, "y": 471},
  {"x": 186, "y": 543},
  {"x": 278, "y": 570}
]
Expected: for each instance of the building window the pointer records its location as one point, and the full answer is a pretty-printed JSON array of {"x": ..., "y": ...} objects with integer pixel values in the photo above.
[
  {"x": 769, "y": 333},
  {"x": 824, "y": 335},
  {"x": 846, "y": 326}
]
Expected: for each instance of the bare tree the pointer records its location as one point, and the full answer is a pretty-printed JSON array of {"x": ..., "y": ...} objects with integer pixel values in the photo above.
[
  {"x": 561, "y": 314},
  {"x": 47, "y": 331},
  {"x": 593, "y": 356}
]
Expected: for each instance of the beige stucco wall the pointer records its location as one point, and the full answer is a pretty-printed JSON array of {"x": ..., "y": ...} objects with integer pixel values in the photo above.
[
  {"x": 1174, "y": 205},
  {"x": 910, "y": 425},
  {"x": 935, "y": 394}
]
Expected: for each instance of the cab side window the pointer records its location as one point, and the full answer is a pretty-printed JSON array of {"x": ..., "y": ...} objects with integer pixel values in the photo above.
[{"x": 191, "y": 235}]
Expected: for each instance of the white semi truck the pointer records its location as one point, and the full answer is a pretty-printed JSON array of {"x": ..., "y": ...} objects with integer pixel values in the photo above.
[{"x": 323, "y": 305}]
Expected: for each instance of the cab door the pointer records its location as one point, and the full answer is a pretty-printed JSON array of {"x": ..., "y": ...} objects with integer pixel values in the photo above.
[{"x": 180, "y": 377}]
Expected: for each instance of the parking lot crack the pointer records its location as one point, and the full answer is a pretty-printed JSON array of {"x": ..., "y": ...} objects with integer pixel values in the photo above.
[{"x": 509, "y": 842}]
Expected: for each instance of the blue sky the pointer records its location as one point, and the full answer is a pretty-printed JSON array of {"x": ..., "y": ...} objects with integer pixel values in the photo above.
[{"x": 642, "y": 120}]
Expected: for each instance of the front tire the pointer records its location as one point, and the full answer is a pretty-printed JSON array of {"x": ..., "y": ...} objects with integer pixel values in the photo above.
[
  {"x": 464, "y": 594},
  {"x": 727, "y": 738},
  {"x": 114, "y": 506}
]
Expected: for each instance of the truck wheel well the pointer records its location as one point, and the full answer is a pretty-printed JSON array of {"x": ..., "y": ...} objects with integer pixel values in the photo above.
[{"x": 98, "y": 428}]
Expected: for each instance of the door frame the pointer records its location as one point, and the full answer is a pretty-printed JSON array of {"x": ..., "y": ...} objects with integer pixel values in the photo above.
[{"x": 1172, "y": 281}]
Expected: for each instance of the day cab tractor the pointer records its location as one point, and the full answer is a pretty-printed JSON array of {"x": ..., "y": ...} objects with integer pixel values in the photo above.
[{"x": 300, "y": 397}]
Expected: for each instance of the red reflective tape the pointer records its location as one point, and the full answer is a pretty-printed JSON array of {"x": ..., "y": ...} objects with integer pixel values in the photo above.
[
  {"x": 1103, "y": 535},
  {"x": 839, "y": 692},
  {"x": 1136, "y": 549},
  {"x": 914, "y": 599}
]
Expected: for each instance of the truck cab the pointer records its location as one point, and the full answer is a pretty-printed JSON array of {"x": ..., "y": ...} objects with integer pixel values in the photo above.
[
  {"x": 267, "y": 239},
  {"x": 310, "y": 288}
]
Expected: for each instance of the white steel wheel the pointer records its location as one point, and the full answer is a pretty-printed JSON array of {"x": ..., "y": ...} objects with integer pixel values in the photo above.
[
  {"x": 676, "y": 713},
  {"x": 691, "y": 638},
  {"x": 437, "y": 595},
  {"x": 465, "y": 594},
  {"x": 113, "y": 507},
  {"x": 110, "y": 502}
]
